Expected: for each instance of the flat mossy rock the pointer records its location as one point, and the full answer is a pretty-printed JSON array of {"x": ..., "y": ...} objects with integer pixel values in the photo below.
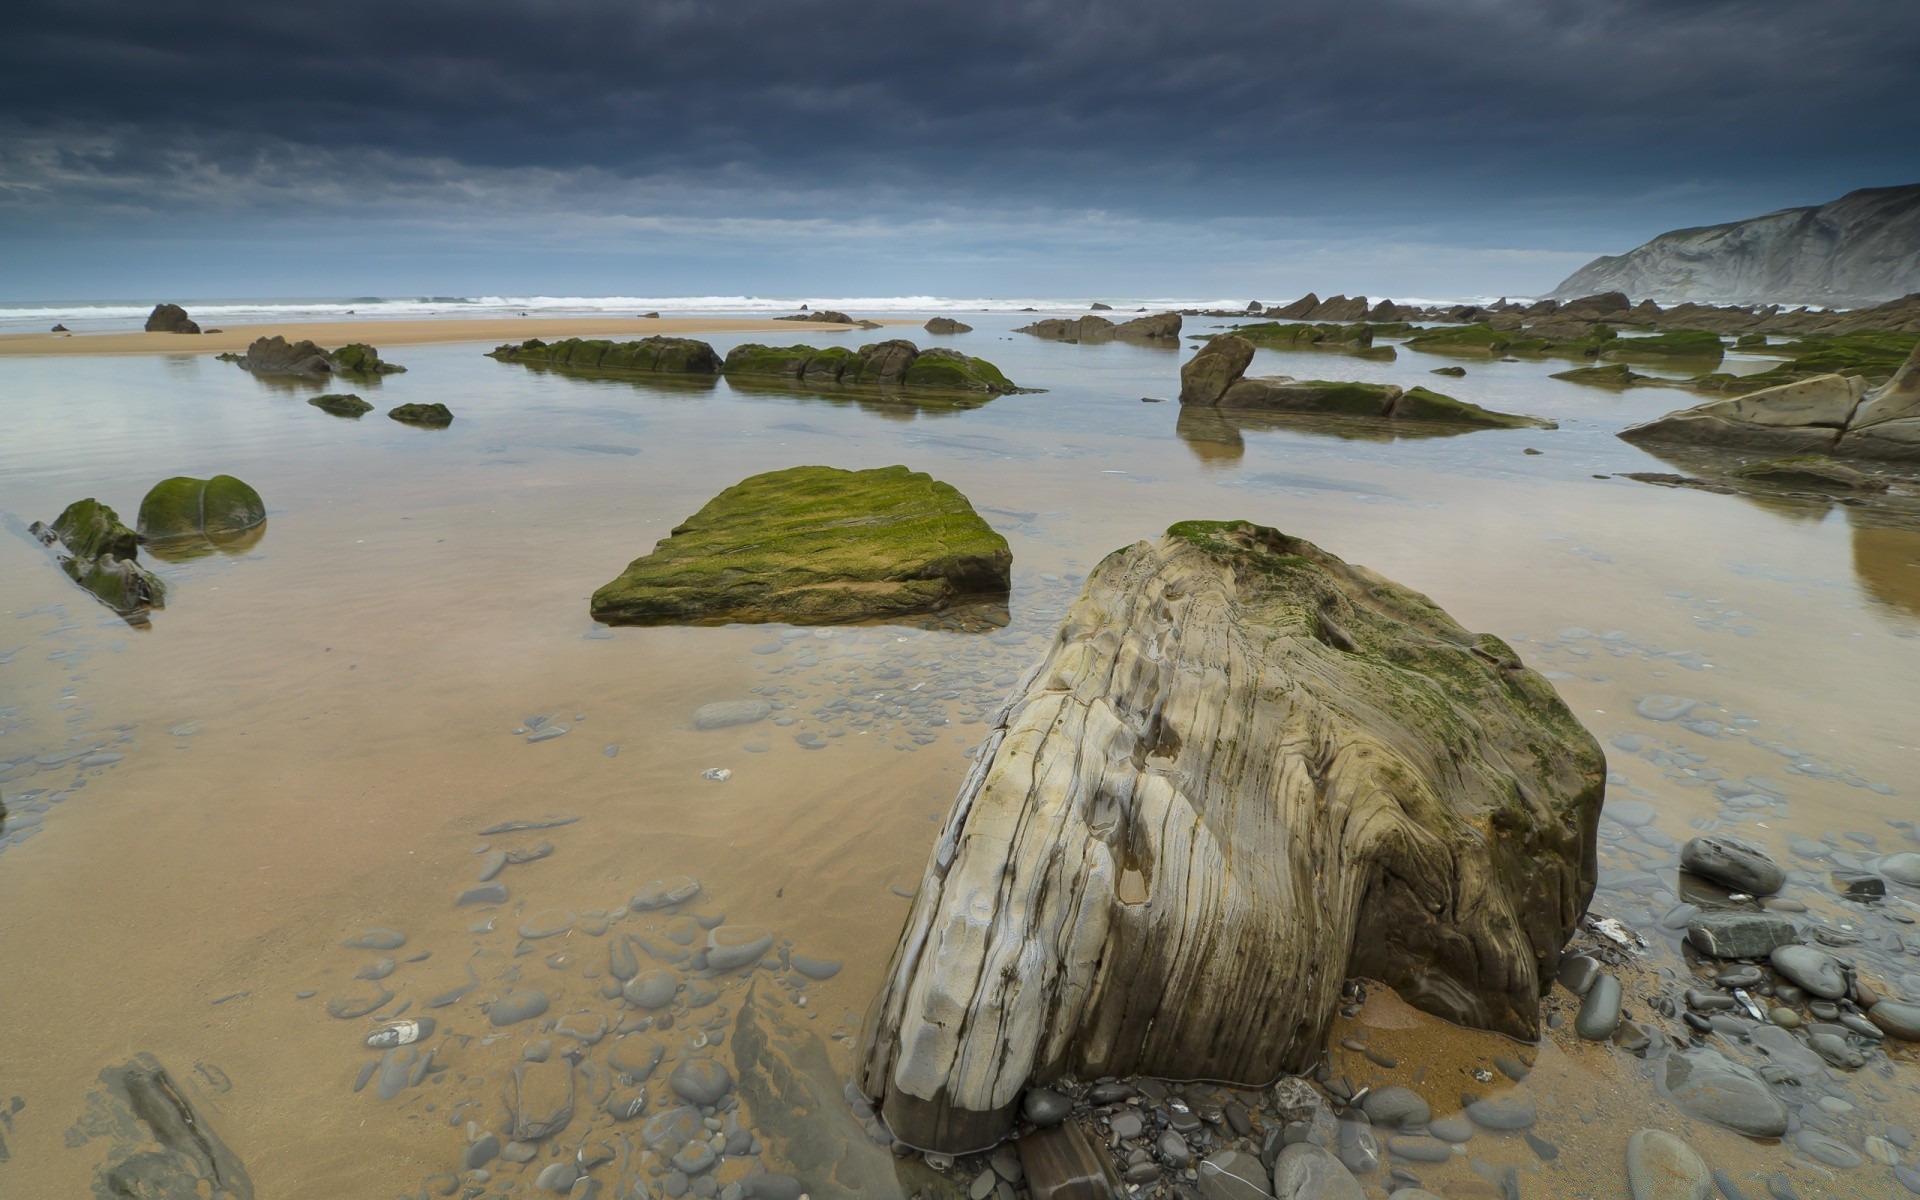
[
  {"x": 347, "y": 405},
  {"x": 816, "y": 545},
  {"x": 1244, "y": 772},
  {"x": 1873, "y": 355},
  {"x": 1159, "y": 327},
  {"x": 663, "y": 355},
  {"x": 1618, "y": 375},
  {"x": 894, "y": 365},
  {"x": 90, "y": 529},
  {"x": 436, "y": 415},
  {"x": 1481, "y": 339},
  {"x": 1694, "y": 345},
  {"x": 186, "y": 507},
  {"x": 1212, "y": 378}
]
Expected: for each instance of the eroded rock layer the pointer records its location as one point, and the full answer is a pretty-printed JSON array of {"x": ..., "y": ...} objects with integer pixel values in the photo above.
[{"x": 1244, "y": 772}]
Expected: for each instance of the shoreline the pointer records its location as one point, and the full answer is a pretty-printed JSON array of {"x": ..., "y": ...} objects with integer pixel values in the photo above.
[{"x": 400, "y": 332}]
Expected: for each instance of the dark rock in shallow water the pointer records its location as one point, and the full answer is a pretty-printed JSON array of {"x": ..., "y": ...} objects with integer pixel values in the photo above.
[
  {"x": 700, "y": 1080},
  {"x": 168, "y": 318},
  {"x": 184, "y": 508},
  {"x": 1305, "y": 1171},
  {"x": 816, "y": 545},
  {"x": 1599, "y": 1010},
  {"x": 516, "y": 1006},
  {"x": 663, "y": 355},
  {"x": 341, "y": 404},
  {"x": 1740, "y": 934},
  {"x": 277, "y": 356},
  {"x": 102, "y": 557},
  {"x": 1739, "y": 866},
  {"x": 1662, "y": 1167},
  {"x": 946, "y": 325},
  {"x": 161, "y": 1147},
  {"x": 1441, "y": 727},
  {"x": 435, "y": 415},
  {"x": 664, "y": 893},
  {"x": 891, "y": 366}
]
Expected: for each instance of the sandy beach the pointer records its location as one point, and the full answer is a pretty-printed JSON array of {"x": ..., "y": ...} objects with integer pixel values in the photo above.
[{"x": 402, "y": 333}]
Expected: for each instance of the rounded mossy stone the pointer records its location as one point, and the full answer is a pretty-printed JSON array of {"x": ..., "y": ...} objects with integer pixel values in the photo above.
[
  {"x": 187, "y": 507},
  {"x": 358, "y": 358},
  {"x": 943, "y": 370},
  {"x": 436, "y": 415},
  {"x": 815, "y": 545},
  {"x": 89, "y": 529},
  {"x": 341, "y": 405}
]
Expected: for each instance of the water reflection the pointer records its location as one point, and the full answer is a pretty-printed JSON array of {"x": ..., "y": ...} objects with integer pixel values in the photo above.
[
  {"x": 186, "y": 549},
  {"x": 1886, "y": 560},
  {"x": 1214, "y": 435}
]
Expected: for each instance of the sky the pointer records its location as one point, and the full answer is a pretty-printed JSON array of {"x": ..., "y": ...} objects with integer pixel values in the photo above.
[{"x": 1209, "y": 148}]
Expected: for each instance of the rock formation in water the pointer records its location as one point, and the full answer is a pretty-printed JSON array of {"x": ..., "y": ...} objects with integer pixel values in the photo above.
[
  {"x": 1215, "y": 377},
  {"x": 667, "y": 355},
  {"x": 277, "y": 356},
  {"x": 1244, "y": 772},
  {"x": 1160, "y": 327},
  {"x": 1861, "y": 249},
  {"x": 828, "y": 316},
  {"x": 436, "y": 416},
  {"x": 101, "y": 556},
  {"x": 184, "y": 508},
  {"x": 1827, "y": 414},
  {"x": 159, "y": 1146},
  {"x": 946, "y": 325},
  {"x": 816, "y": 545},
  {"x": 894, "y": 365},
  {"x": 169, "y": 318},
  {"x": 341, "y": 405}
]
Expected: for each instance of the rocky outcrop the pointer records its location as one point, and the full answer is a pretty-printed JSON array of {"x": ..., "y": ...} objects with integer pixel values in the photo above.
[
  {"x": 665, "y": 355},
  {"x": 341, "y": 405},
  {"x": 157, "y": 1145},
  {"x": 436, "y": 416},
  {"x": 1827, "y": 414},
  {"x": 828, "y": 316},
  {"x": 1160, "y": 327},
  {"x": 1559, "y": 339},
  {"x": 1860, "y": 249},
  {"x": 101, "y": 557},
  {"x": 277, "y": 356},
  {"x": 894, "y": 365},
  {"x": 1214, "y": 377},
  {"x": 1244, "y": 772},
  {"x": 170, "y": 318},
  {"x": 184, "y": 508},
  {"x": 816, "y": 545},
  {"x": 946, "y": 325},
  {"x": 1299, "y": 310}
]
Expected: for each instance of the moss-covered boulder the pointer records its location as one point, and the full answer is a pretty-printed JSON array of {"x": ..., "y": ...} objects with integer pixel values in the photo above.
[
  {"x": 893, "y": 365},
  {"x": 1696, "y": 345},
  {"x": 1214, "y": 368},
  {"x": 90, "y": 529},
  {"x": 341, "y": 405},
  {"x": 186, "y": 507},
  {"x": 1157, "y": 328},
  {"x": 1373, "y": 401},
  {"x": 277, "y": 356},
  {"x": 436, "y": 415},
  {"x": 815, "y": 545},
  {"x": 358, "y": 358},
  {"x": 1618, "y": 375},
  {"x": 122, "y": 584},
  {"x": 662, "y": 355},
  {"x": 1587, "y": 341}
]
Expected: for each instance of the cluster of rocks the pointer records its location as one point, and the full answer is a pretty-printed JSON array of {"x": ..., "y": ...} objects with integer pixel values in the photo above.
[
  {"x": 178, "y": 518},
  {"x": 1160, "y": 327},
  {"x": 1215, "y": 377},
  {"x": 275, "y": 355},
  {"x": 891, "y": 366},
  {"x": 816, "y": 545}
]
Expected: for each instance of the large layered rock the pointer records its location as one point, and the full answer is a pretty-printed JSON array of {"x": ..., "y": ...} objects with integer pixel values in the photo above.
[
  {"x": 1160, "y": 327},
  {"x": 277, "y": 356},
  {"x": 170, "y": 318},
  {"x": 816, "y": 545},
  {"x": 101, "y": 555},
  {"x": 1827, "y": 414},
  {"x": 894, "y": 365},
  {"x": 1214, "y": 378},
  {"x": 1244, "y": 771},
  {"x": 1860, "y": 249},
  {"x": 666, "y": 355}
]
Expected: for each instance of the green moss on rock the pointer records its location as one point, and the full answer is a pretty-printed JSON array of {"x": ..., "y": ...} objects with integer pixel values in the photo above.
[
  {"x": 186, "y": 507},
  {"x": 1616, "y": 376},
  {"x": 90, "y": 529},
  {"x": 894, "y": 365},
  {"x": 1693, "y": 344},
  {"x": 663, "y": 355},
  {"x": 1482, "y": 339},
  {"x": 436, "y": 415},
  {"x": 815, "y": 545},
  {"x": 122, "y": 584},
  {"x": 358, "y": 358},
  {"x": 341, "y": 405}
]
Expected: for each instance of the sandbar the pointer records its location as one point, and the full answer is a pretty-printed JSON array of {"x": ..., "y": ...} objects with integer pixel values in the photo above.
[{"x": 382, "y": 334}]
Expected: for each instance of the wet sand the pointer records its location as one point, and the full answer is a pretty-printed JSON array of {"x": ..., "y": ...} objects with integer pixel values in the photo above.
[
  {"x": 314, "y": 732},
  {"x": 406, "y": 333}
]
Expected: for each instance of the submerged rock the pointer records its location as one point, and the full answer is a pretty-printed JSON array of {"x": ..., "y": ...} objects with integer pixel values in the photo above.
[
  {"x": 341, "y": 405},
  {"x": 435, "y": 415},
  {"x": 1706, "y": 1084},
  {"x": 1214, "y": 377},
  {"x": 161, "y": 1147},
  {"x": 1662, "y": 1167},
  {"x": 1826, "y": 414},
  {"x": 169, "y": 318},
  {"x": 184, "y": 507},
  {"x": 815, "y": 545},
  {"x": 1403, "y": 800},
  {"x": 1808, "y": 472},
  {"x": 101, "y": 557}
]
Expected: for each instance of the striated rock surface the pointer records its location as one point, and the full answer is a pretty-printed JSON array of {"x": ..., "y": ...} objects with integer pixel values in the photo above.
[
  {"x": 168, "y": 318},
  {"x": 1827, "y": 414},
  {"x": 816, "y": 545},
  {"x": 1245, "y": 771},
  {"x": 1160, "y": 327},
  {"x": 1860, "y": 249}
]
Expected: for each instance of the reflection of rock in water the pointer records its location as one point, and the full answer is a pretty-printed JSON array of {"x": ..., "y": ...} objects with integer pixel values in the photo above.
[
  {"x": 1214, "y": 440},
  {"x": 1887, "y": 562},
  {"x": 162, "y": 1149},
  {"x": 799, "y": 1107}
]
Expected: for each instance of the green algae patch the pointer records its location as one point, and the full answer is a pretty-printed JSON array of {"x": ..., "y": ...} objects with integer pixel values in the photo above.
[
  {"x": 121, "y": 584},
  {"x": 1485, "y": 340},
  {"x": 1423, "y": 404},
  {"x": 186, "y": 507},
  {"x": 436, "y": 416},
  {"x": 890, "y": 366},
  {"x": 358, "y": 358},
  {"x": 1870, "y": 354},
  {"x": 90, "y": 529},
  {"x": 660, "y": 355},
  {"x": 1692, "y": 344},
  {"x": 341, "y": 405},
  {"x": 816, "y": 545}
]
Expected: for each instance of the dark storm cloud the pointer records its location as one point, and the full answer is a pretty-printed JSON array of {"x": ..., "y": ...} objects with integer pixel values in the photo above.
[{"x": 1441, "y": 116}]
